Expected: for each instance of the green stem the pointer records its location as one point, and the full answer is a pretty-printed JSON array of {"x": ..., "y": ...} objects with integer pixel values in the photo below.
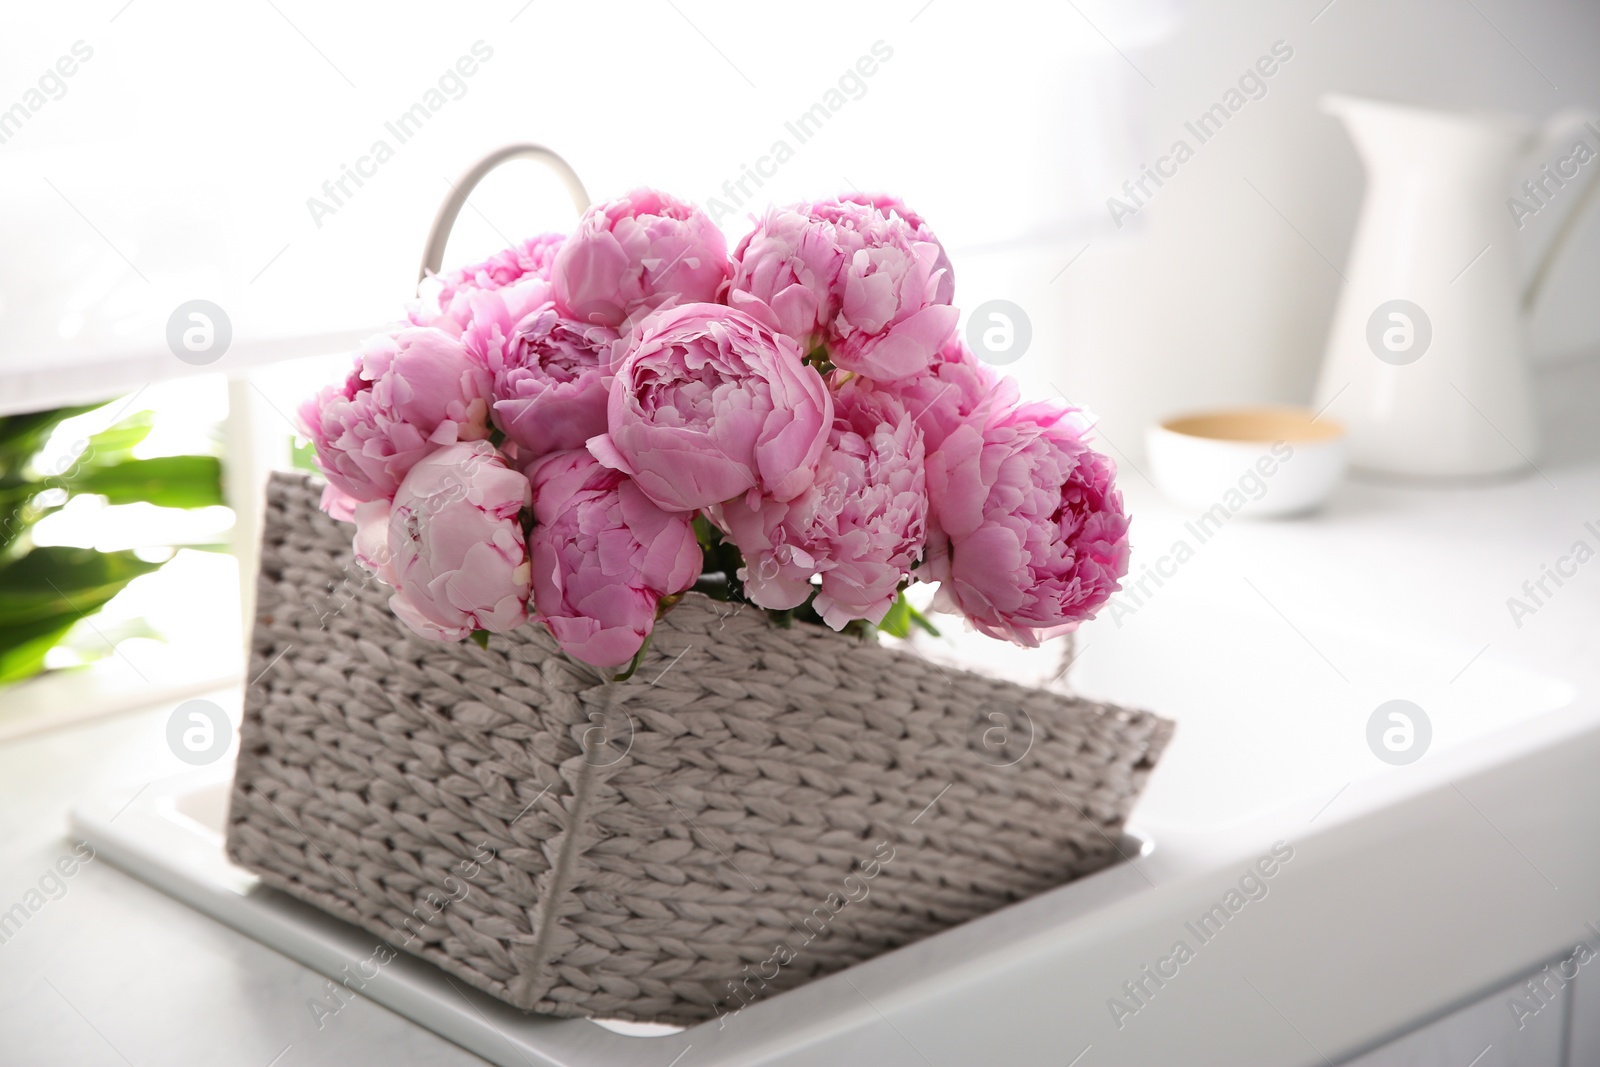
[{"x": 638, "y": 658}]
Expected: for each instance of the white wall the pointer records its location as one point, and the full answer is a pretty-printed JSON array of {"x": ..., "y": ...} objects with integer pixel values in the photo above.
[{"x": 1218, "y": 298}]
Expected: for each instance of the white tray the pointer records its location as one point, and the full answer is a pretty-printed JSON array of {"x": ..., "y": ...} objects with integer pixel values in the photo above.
[{"x": 170, "y": 834}]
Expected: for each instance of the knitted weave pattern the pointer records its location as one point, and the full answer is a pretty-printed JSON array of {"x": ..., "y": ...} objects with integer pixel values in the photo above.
[{"x": 756, "y": 807}]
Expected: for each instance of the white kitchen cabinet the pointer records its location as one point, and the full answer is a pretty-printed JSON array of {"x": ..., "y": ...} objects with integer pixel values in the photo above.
[{"x": 1488, "y": 1034}]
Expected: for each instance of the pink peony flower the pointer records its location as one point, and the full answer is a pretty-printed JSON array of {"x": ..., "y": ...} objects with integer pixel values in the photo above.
[
  {"x": 861, "y": 525},
  {"x": 786, "y": 271},
  {"x": 408, "y": 394},
  {"x": 341, "y": 506},
  {"x": 951, "y": 389},
  {"x": 603, "y": 558},
  {"x": 848, "y": 275},
  {"x": 551, "y": 386},
  {"x": 891, "y": 320},
  {"x": 1030, "y": 538},
  {"x": 632, "y": 255},
  {"x": 371, "y": 544},
  {"x": 708, "y": 405},
  {"x": 490, "y": 318},
  {"x": 893, "y": 205},
  {"x": 458, "y": 560},
  {"x": 449, "y": 306}
]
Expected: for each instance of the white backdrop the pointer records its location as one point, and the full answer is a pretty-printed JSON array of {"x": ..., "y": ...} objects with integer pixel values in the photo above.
[{"x": 177, "y": 162}]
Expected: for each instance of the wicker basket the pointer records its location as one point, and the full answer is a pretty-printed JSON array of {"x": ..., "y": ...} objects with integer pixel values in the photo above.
[{"x": 756, "y": 807}]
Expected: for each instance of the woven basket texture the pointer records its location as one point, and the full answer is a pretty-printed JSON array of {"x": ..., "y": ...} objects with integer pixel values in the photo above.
[{"x": 756, "y": 807}]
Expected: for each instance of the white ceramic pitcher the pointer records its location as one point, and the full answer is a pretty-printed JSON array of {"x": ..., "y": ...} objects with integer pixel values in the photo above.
[{"x": 1426, "y": 363}]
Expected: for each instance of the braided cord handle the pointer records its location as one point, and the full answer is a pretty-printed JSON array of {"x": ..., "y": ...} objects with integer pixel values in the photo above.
[{"x": 445, "y": 220}]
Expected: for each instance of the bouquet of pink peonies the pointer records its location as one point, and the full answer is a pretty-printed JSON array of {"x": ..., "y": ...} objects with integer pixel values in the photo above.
[{"x": 581, "y": 429}]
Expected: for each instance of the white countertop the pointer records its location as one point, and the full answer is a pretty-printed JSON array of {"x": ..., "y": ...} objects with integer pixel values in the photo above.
[{"x": 1271, "y": 647}]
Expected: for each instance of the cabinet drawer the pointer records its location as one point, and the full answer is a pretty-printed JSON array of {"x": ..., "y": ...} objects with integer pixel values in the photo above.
[{"x": 1489, "y": 1033}]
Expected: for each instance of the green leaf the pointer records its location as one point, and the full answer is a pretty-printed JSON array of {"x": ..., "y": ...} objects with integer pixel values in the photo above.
[
  {"x": 303, "y": 455},
  {"x": 12, "y": 524},
  {"x": 21, "y": 438},
  {"x": 897, "y": 620},
  {"x": 17, "y": 491},
  {"x": 59, "y": 582},
  {"x": 23, "y": 435},
  {"x": 167, "y": 481},
  {"x": 23, "y": 648},
  {"x": 117, "y": 441},
  {"x": 705, "y": 533},
  {"x": 480, "y": 638},
  {"x": 43, "y": 593},
  {"x": 818, "y": 357},
  {"x": 922, "y": 622}
]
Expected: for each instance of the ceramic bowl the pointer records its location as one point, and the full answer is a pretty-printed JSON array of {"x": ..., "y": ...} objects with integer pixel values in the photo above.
[{"x": 1261, "y": 462}]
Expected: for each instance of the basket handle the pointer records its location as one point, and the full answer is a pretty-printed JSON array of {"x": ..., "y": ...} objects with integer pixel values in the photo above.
[{"x": 445, "y": 220}]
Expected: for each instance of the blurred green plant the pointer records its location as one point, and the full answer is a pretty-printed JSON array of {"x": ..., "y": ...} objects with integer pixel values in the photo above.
[
  {"x": 303, "y": 456},
  {"x": 44, "y": 590}
]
